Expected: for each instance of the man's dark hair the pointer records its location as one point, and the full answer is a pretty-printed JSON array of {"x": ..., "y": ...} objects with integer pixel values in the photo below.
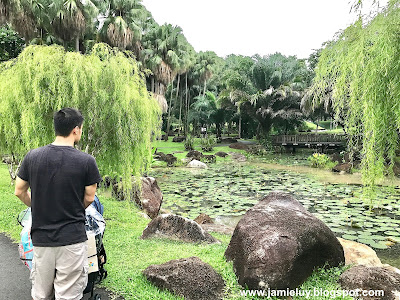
[{"x": 65, "y": 120}]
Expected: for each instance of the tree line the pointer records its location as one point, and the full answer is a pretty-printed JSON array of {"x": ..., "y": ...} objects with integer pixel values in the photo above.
[
  {"x": 253, "y": 94},
  {"x": 352, "y": 78}
]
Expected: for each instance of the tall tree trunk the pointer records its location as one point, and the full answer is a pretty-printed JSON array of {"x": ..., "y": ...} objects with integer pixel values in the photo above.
[
  {"x": 77, "y": 44},
  {"x": 169, "y": 110},
  {"x": 240, "y": 126},
  {"x": 153, "y": 89},
  {"x": 205, "y": 87},
  {"x": 186, "y": 107},
  {"x": 180, "y": 112},
  {"x": 176, "y": 97}
]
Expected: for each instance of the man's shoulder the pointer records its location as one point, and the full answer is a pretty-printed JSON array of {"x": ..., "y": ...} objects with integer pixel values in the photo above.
[
  {"x": 72, "y": 151},
  {"x": 39, "y": 150}
]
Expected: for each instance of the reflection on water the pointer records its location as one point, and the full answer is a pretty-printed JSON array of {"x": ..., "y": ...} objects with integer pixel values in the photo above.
[
  {"x": 226, "y": 191},
  {"x": 326, "y": 176}
]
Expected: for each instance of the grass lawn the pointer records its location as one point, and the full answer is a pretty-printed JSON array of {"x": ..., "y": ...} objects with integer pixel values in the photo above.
[
  {"x": 128, "y": 255},
  {"x": 323, "y": 128}
]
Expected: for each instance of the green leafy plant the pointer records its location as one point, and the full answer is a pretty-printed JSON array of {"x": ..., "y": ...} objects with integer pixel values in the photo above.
[
  {"x": 121, "y": 117},
  {"x": 319, "y": 160},
  {"x": 358, "y": 75},
  {"x": 189, "y": 143},
  {"x": 207, "y": 143}
]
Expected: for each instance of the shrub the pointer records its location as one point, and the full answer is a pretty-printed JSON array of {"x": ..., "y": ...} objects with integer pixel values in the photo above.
[
  {"x": 207, "y": 143},
  {"x": 319, "y": 160},
  {"x": 189, "y": 143}
]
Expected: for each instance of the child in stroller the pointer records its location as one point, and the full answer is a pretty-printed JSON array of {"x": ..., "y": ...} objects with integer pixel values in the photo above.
[{"x": 95, "y": 226}]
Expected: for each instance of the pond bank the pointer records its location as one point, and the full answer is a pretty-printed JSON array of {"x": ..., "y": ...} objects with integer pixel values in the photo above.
[
  {"x": 323, "y": 175},
  {"x": 226, "y": 191}
]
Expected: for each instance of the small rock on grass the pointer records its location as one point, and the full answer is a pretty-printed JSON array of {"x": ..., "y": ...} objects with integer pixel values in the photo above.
[
  {"x": 190, "y": 278},
  {"x": 177, "y": 228},
  {"x": 372, "y": 279}
]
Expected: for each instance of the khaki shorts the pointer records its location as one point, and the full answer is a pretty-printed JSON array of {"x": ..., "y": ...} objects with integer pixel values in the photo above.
[{"x": 59, "y": 272}]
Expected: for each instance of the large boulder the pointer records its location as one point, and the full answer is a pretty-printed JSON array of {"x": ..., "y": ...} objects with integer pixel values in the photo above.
[
  {"x": 170, "y": 159},
  {"x": 177, "y": 228},
  {"x": 203, "y": 219},
  {"x": 190, "y": 278},
  {"x": 342, "y": 167},
  {"x": 197, "y": 164},
  {"x": 221, "y": 154},
  {"x": 278, "y": 243},
  {"x": 359, "y": 254},
  {"x": 372, "y": 279},
  {"x": 151, "y": 197},
  {"x": 179, "y": 139},
  {"x": 194, "y": 154}
]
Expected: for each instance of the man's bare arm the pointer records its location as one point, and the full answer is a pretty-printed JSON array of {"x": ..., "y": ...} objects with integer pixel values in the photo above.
[
  {"x": 21, "y": 191},
  {"x": 90, "y": 192}
]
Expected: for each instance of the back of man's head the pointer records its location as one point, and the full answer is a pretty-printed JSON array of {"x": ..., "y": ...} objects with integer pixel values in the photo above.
[{"x": 65, "y": 120}]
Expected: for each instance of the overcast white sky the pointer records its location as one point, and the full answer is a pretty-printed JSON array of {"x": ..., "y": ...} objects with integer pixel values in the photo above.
[{"x": 247, "y": 27}]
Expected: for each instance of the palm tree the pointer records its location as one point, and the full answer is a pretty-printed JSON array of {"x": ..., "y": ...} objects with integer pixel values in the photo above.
[
  {"x": 45, "y": 20},
  {"x": 205, "y": 66},
  {"x": 203, "y": 110},
  {"x": 19, "y": 14},
  {"x": 164, "y": 51},
  {"x": 125, "y": 22}
]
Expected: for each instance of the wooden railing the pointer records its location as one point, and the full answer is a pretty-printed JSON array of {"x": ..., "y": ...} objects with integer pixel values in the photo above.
[{"x": 309, "y": 139}]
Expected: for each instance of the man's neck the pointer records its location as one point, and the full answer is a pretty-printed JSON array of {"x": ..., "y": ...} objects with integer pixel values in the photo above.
[{"x": 64, "y": 141}]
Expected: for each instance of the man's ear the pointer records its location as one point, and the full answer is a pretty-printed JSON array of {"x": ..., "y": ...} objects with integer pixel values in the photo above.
[{"x": 75, "y": 130}]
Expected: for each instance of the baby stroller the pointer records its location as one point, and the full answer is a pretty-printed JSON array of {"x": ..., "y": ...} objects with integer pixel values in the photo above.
[{"x": 95, "y": 226}]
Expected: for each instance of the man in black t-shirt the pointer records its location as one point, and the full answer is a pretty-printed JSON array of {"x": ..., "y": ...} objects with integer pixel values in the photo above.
[{"x": 63, "y": 182}]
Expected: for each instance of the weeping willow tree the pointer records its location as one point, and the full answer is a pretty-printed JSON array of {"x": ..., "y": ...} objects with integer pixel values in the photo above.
[
  {"x": 359, "y": 73},
  {"x": 121, "y": 118}
]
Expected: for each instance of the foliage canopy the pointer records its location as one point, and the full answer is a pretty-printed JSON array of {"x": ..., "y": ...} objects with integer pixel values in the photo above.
[
  {"x": 359, "y": 73},
  {"x": 121, "y": 118}
]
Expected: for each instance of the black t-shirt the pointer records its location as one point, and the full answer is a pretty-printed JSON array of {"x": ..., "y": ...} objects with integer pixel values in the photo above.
[{"x": 57, "y": 176}]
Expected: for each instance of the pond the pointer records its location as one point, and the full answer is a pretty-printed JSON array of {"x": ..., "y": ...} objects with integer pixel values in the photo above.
[{"x": 226, "y": 191}]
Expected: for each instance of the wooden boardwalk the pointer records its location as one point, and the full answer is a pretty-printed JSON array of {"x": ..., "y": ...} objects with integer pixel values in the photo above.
[{"x": 310, "y": 140}]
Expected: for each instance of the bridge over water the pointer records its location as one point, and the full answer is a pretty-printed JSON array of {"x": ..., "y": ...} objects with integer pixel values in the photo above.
[{"x": 310, "y": 140}]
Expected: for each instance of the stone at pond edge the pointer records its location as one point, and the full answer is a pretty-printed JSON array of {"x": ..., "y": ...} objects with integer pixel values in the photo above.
[
  {"x": 179, "y": 139},
  {"x": 221, "y": 154},
  {"x": 203, "y": 219},
  {"x": 372, "y": 278},
  {"x": 190, "y": 278},
  {"x": 345, "y": 167},
  {"x": 197, "y": 164},
  {"x": 151, "y": 198},
  {"x": 278, "y": 243},
  {"x": 177, "y": 228},
  {"x": 359, "y": 254},
  {"x": 168, "y": 158},
  {"x": 195, "y": 154}
]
